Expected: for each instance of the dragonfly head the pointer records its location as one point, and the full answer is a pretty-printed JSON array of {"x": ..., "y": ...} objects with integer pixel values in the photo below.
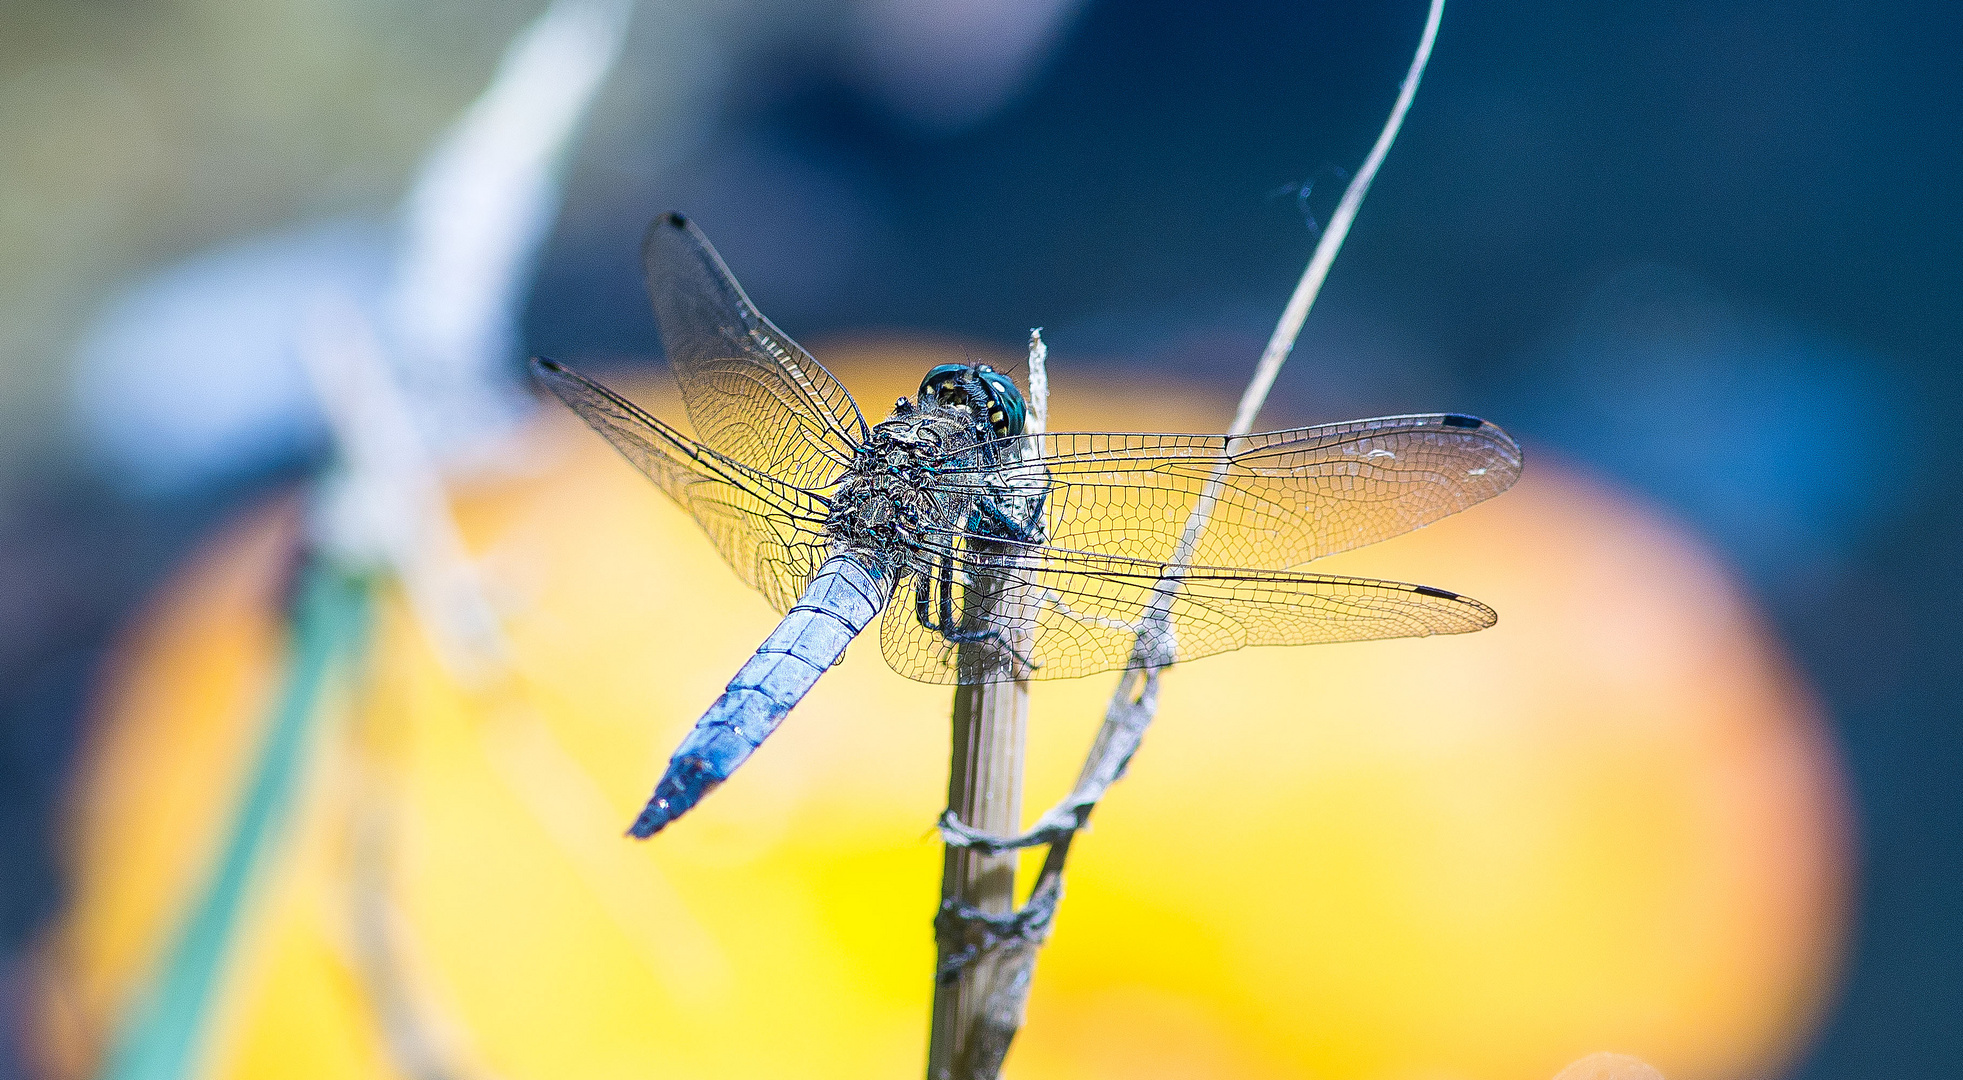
[{"x": 960, "y": 384}]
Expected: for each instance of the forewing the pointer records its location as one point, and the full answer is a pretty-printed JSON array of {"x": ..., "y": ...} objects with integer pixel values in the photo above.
[
  {"x": 1279, "y": 498},
  {"x": 1068, "y": 614},
  {"x": 770, "y": 532},
  {"x": 752, "y": 394}
]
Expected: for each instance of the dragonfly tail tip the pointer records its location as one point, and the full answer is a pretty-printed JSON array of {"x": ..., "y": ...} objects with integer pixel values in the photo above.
[
  {"x": 654, "y": 817},
  {"x": 688, "y": 779}
]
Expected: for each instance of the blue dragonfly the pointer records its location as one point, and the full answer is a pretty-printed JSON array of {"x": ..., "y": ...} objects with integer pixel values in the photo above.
[{"x": 997, "y": 554}]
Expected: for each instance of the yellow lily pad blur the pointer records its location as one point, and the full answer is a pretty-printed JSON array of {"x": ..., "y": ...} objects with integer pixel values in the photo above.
[{"x": 1611, "y": 822}]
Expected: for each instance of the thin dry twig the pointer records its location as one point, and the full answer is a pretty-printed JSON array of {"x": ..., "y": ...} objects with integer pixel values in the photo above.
[
  {"x": 1282, "y": 342},
  {"x": 1008, "y": 941}
]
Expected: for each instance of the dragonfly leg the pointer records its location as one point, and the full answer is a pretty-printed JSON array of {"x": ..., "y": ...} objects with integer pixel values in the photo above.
[
  {"x": 993, "y": 637},
  {"x": 952, "y": 631},
  {"x": 1005, "y": 525},
  {"x": 921, "y": 602},
  {"x": 947, "y": 626},
  {"x": 926, "y": 598}
]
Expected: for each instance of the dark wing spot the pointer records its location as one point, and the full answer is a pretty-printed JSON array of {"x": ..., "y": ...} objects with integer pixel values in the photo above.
[
  {"x": 1439, "y": 593},
  {"x": 674, "y": 219},
  {"x": 1457, "y": 421}
]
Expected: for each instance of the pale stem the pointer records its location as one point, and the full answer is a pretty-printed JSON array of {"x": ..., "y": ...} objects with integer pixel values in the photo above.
[
  {"x": 969, "y": 1033},
  {"x": 1039, "y": 383},
  {"x": 985, "y": 792}
]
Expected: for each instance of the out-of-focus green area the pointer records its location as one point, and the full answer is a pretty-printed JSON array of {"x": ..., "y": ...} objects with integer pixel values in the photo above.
[{"x": 142, "y": 132}]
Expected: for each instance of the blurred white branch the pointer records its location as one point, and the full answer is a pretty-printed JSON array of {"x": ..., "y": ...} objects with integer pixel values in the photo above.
[
  {"x": 404, "y": 395},
  {"x": 480, "y": 210},
  {"x": 386, "y": 505}
]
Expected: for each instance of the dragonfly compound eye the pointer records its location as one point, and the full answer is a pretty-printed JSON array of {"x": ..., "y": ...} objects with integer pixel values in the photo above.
[
  {"x": 1006, "y": 411},
  {"x": 947, "y": 383}
]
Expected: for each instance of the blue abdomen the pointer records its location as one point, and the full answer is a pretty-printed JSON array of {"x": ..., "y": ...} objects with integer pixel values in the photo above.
[{"x": 842, "y": 599}]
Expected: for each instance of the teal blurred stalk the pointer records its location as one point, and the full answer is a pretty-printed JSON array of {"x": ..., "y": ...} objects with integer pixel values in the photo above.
[{"x": 329, "y": 623}]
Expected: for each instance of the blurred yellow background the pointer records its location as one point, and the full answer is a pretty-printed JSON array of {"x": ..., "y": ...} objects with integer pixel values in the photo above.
[{"x": 1611, "y": 822}]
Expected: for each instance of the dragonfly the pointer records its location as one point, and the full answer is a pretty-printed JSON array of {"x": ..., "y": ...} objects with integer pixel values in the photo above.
[{"x": 990, "y": 553}]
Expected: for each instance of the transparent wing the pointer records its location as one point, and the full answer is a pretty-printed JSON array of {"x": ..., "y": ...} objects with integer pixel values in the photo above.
[
  {"x": 770, "y": 532},
  {"x": 1066, "y": 614},
  {"x": 1281, "y": 498},
  {"x": 752, "y": 394}
]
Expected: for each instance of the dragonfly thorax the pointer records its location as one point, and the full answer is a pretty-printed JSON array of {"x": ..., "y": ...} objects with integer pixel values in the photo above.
[{"x": 892, "y": 496}]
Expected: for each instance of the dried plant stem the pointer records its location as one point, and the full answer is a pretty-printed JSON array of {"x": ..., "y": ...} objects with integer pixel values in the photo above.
[
  {"x": 974, "y": 1019},
  {"x": 980, "y": 980},
  {"x": 985, "y": 792}
]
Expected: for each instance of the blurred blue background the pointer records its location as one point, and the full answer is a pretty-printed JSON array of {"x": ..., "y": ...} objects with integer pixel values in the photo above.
[{"x": 1710, "y": 251}]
